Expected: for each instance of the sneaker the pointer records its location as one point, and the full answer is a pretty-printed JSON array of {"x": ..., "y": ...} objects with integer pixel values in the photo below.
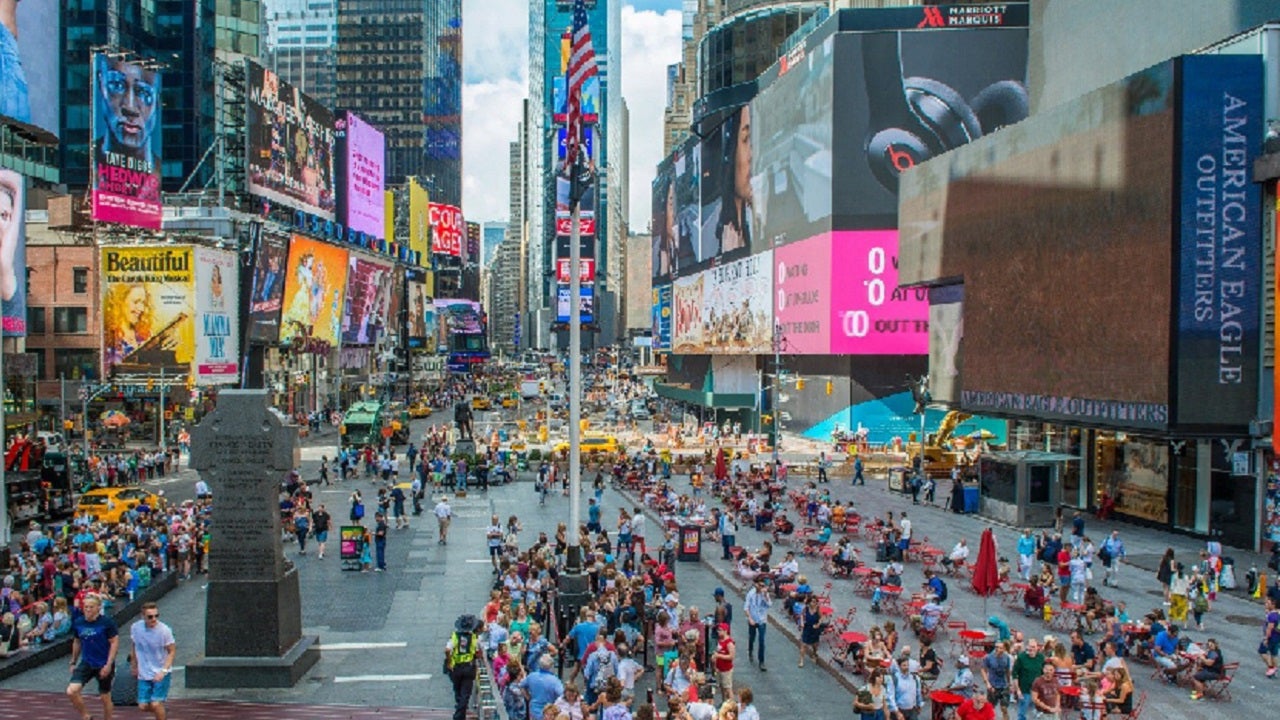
[
  {"x": 763, "y": 668},
  {"x": 1271, "y": 672},
  {"x": 1197, "y": 696}
]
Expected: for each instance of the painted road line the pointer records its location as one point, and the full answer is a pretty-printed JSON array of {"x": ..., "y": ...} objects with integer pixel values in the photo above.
[
  {"x": 380, "y": 678},
  {"x": 362, "y": 645}
]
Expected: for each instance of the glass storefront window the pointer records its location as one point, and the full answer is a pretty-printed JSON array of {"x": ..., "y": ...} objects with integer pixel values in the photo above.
[
  {"x": 1232, "y": 501},
  {"x": 999, "y": 480},
  {"x": 1134, "y": 472}
]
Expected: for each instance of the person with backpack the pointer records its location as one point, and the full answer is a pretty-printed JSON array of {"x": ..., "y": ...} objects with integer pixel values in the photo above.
[
  {"x": 602, "y": 666},
  {"x": 1111, "y": 553},
  {"x": 460, "y": 656},
  {"x": 357, "y": 507}
]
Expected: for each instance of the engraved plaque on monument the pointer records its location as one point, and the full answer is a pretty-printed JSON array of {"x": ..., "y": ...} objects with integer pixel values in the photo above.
[{"x": 253, "y": 621}]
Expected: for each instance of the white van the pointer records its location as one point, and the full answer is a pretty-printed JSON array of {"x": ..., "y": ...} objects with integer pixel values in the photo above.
[{"x": 52, "y": 440}]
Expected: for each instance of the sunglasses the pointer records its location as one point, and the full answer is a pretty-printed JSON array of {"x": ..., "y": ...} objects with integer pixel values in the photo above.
[{"x": 151, "y": 616}]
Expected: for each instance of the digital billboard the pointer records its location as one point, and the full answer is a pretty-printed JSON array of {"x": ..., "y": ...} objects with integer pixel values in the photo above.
[
  {"x": 686, "y": 310},
  {"x": 419, "y": 220},
  {"x": 421, "y": 311},
  {"x": 686, "y": 169},
  {"x": 363, "y": 157},
  {"x": 663, "y": 224},
  {"x": 587, "y": 307},
  {"x": 727, "y": 195},
  {"x": 368, "y": 300},
  {"x": 661, "y": 331},
  {"x": 457, "y": 317},
  {"x": 32, "y": 61},
  {"x": 13, "y": 253},
  {"x": 395, "y": 303},
  {"x": 289, "y": 140},
  {"x": 902, "y": 97},
  {"x": 1220, "y": 242},
  {"x": 1077, "y": 204},
  {"x": 791, "y": 152},
  {"x": 147, "y": 310},
  {"x": 726, "y": 309},
  {"x": 268, "y": 288},
  {"x": 564, "y": 217},
  {"x": 126, "y": 142},
  {"x": 313, "y": 292},
  {"x": 590, "y": 99},
  {"x": 217, "y": 318},
  {"x": 588, "y": 145},
  {"x": 471, "y": 250},
  {"x": 447, "y": 228}
]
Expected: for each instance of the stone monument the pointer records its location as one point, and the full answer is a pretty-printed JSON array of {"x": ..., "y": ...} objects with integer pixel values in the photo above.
[{"x": 253, "y": 618}]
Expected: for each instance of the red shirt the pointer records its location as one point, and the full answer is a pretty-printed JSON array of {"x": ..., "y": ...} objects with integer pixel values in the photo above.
[
  {"x": 967, "y": 711},
  {"x": 723, "y": 647},
  {"x": 1064, "y": 563}
]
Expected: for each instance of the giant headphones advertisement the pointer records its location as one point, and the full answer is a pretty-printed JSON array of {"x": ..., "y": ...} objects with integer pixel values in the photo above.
[{"x": 918, "y": 94}]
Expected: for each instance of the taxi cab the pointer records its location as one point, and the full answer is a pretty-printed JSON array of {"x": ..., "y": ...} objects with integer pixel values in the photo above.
[
  {"x": 108, "y": 505},
  {"x": 480, "y": 402},
  {"x": 591, "y": 444},
  {"x": 419, "y": 409}
]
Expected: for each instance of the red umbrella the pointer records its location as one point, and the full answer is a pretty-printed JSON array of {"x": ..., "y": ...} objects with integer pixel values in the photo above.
[
  {"x": 722, "y": 469},
  {"x": 986, "y": 576}
]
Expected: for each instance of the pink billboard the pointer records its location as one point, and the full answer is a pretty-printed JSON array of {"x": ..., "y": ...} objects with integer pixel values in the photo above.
[
  {"x": 837, "y": 293},
  {"x": 870, "y": 314},
  {"x": 364, "y": 163},
  {"x": 447, "y": 228},
  {"x": 802, "y": 294}
]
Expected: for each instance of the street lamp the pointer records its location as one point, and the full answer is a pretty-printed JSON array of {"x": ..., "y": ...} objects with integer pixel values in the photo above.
[
  {"x": 920, "y": 393},
  {"x": 779, "y": 344}
]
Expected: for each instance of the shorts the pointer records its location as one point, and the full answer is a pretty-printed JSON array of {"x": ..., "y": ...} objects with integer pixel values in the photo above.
[
  {"x": 1206, "y": 675},
  {"x": 150, "y": 691},
  {"x": 82, "y": 674},
  {"x": 322, "y": 536},
  {"x": 495, "y": 550},
  {"x": 1270, "y": 647},
  {"x": 998, "y": 696}
]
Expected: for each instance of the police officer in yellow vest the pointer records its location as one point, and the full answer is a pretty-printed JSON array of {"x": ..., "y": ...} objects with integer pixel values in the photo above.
[{"x": 461, "y": 654}]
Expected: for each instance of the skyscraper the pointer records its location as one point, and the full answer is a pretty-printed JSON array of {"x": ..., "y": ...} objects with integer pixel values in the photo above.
[
  {"x": 302, "y": 44},
  {"x": 400, "y": 68},
  {"x": 549, "y": 22}
]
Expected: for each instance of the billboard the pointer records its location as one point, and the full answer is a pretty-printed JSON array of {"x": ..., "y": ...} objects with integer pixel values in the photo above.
[
  {"x": 1220, "y": 242},
  {"x": 727, "y": 197},
  {"x": 588, "y": 145},
  {"x": 447, "y": 228},
  {"x": 289, "y": 140},
  {"x": 29, "y": 72},
  {"x": 686, "y": 169},
  {"x": 471, "y": 252},
  {"x": 313, "y": 292},
  {"x": 395, "y": 303},
  {"x": 838, "y": 294},
  {"x": 662, "y": 226},
  {"x": 661, "y": 331},
  {"x": 368, "y": 302},
  {"x": 587, "y": 294},
  {"x": 147, "y": 310},
  {"x": 13, "y": 253},
  {"x": 419, "y": 220},
  {"x": 363, "y": 158},
  {"x": 126, "y": 142},
  {"x": 686, "y": 309},
  {"x": 268, "y": 288},
  {"x": 564, "y": 217},
  {"x": 421, "y": 311},
  {"x": 904, "y": 97},
  {"x": 457, "y": 317},
  {"x": 791, "y": 152},
  {"x": 1083, "y": 336},
  {"x": 217, "y": 318}
]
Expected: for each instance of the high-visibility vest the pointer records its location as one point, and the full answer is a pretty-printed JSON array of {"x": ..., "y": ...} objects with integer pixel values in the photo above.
[{"x": 464, "y": 650}]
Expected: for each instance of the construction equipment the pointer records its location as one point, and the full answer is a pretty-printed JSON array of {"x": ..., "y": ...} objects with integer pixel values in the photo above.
[{"x": 939, "y": 457}]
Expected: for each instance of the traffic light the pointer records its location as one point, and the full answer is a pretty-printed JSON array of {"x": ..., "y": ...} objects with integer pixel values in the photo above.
[{"x": 829, "y": 387}]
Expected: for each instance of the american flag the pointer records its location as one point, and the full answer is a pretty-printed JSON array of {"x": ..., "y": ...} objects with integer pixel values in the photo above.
[{"x": 582, "y": 65}]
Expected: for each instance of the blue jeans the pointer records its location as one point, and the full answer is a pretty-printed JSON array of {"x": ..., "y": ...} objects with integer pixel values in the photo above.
[
  {"x": 727, "y": 542},
  {"x": 1024, "y": 704},
  {"x": 381, "y": 547},
  {"x": 15, "y": 101},
  {"x": 460, "y": 481},
  {"x": 755, "y": 632}
]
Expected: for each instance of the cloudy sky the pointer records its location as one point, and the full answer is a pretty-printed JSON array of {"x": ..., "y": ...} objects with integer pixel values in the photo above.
[{"x": 496, "y": 72}]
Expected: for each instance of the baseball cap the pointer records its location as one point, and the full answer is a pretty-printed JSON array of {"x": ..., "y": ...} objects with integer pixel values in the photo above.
[
  {"x": 719, "y": 592},
  {"x": 723, "y": 627}
]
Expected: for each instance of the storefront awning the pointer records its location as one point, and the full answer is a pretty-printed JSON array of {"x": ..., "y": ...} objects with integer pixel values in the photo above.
[{"x": 1029, "y": 456}]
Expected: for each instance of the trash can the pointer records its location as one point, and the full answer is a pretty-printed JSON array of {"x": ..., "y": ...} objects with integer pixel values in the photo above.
[
  {"x": 897, "y": 479},
  {"x": 971, "y": 499},
  {"x": 690, "y": 547}
]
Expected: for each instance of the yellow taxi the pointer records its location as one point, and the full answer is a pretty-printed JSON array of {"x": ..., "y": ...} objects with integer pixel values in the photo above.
[
  {"x": 509, "y": 401},
  {"x": 480, "y": 402},
  {"x": 108, "y": 505},
  {"x": 591, "y": 444},
  {"x": 419, "y": 410}
]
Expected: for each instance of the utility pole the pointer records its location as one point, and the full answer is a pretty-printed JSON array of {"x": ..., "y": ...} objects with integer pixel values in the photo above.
[
  {"x": 160, "y": 414},
  {"x": 580, "y": 179},
  {"x": 779, "y": 342}
]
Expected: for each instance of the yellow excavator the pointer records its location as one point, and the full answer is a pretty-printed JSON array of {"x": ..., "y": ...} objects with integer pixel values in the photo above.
[{"x": 939, "y": 458}]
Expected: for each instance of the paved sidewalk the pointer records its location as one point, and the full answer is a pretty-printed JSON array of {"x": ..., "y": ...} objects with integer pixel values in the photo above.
[{"x": 1234, "y": 620}]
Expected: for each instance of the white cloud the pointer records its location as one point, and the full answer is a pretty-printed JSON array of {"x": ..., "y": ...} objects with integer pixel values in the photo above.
[
  {"x": 490, "y": 115},
  {"x": 650, "y": 42},
  {"x": 495, "y": 69}
]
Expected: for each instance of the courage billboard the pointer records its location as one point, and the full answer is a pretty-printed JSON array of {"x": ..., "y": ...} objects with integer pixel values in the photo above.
[{"x": 447, "y": 228}]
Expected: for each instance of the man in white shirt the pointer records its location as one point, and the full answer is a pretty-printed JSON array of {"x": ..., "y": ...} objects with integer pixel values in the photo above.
[
  {"x": 959, "y": 554},
  {"x": 152, "y": 659},
  {"x": 444, "y": 514},
  {"x": 202, "y": 490},
  {"x": 638, "y": 530}
]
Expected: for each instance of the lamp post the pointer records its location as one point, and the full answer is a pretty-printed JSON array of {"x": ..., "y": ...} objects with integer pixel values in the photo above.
[
  {"x": 779, "y": 344},
  {"x": 920, "y": 393}
]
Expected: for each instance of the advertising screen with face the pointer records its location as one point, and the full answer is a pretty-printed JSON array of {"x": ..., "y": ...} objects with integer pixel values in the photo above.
[
  {"x": 313, "y": 292},
  {"x": 421, "y": 308},
  {"x": 726, "y": 191},
  {"x": 368, "y": 301},
  {"x": 268, "y": 288},
  {"x": 29, "y": 80},
  {"x": 290, "y": 144},
  {"x": 126, "y": 142},
  {"x": 664, "y": 224},
  {"x": 217, "y": 324},
  {"x": 587, "y": 306},
  {"x": 363, "y": 171},
  {"x": 686, "y": 306},
  {"x": 147, "y": 310},
  {"x": 13, "y": 252}
]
